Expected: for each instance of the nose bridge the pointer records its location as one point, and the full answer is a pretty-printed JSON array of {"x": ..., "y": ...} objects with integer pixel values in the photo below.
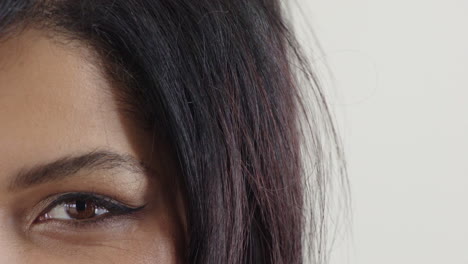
[{"x": 11, "y": 249}]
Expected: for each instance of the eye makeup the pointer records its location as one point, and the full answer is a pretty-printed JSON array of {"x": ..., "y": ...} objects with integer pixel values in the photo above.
[{"x": 83, "y": 208}]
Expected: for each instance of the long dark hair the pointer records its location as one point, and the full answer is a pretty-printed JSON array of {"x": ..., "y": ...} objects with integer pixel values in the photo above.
[{"x": 217, "y": 80}]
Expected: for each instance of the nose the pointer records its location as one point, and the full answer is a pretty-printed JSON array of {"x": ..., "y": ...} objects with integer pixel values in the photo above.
[{"x": 12, "y": 250}]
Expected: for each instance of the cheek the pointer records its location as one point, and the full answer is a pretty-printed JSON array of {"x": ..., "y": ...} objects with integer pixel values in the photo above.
[
  {"x": 155, "y": 247},
  {"x": 138, "y": 247}
]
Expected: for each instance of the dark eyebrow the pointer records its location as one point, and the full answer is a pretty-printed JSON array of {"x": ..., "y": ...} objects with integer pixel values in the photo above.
[{"x": 70, "y": 165}]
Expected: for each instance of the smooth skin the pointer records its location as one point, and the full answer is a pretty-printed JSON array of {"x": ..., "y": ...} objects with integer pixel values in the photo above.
[{"x": 56, "y": 103}]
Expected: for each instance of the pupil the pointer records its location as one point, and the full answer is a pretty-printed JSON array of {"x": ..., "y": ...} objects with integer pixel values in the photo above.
[{"x": 80, "y": 205}]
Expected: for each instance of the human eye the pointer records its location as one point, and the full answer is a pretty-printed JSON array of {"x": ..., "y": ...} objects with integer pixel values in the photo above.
[{"x": 80, "y": 207}]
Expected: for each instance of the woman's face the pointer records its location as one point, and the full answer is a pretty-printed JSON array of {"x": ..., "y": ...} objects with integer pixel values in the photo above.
[{"x": 79, "y": 182}]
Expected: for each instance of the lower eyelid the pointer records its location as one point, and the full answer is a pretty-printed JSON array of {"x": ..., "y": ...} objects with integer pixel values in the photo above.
[
  {"x": 100, "y": 223},
  {"x": 84, "y": 232}
]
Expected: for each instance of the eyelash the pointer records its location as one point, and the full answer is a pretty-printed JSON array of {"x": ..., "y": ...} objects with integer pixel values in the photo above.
[{"x": 113, "y": 208}]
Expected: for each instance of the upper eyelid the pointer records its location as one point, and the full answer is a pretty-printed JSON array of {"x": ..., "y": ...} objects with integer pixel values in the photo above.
[
  {"x": 62, "y": 198},
  {"x": 84, "y": 194}
]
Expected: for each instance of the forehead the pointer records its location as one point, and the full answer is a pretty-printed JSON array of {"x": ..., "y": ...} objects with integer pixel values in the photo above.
[{"x": 53, "y": 101}]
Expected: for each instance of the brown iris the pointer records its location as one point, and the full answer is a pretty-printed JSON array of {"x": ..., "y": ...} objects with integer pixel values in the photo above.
[{"x": 80, "y": 209}]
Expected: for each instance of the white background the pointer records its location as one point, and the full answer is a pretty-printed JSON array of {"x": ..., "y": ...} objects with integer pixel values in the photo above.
[{"x": 400, "y": 94}]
